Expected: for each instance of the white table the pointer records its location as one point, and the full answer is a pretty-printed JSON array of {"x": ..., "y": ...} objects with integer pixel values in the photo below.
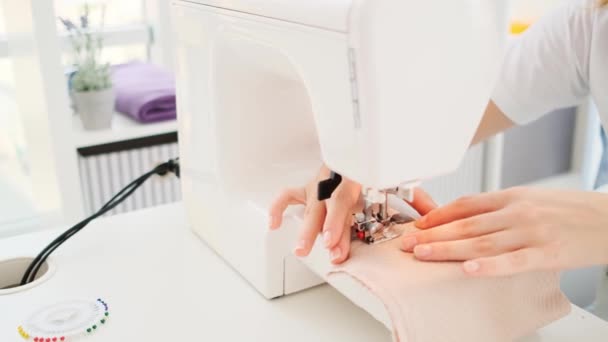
[{"x": 163, "y": 284}]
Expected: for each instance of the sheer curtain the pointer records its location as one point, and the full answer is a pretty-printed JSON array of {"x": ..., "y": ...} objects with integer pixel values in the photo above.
[
  {"x": 16, "y": 198},
  {"x": 49, "y": 194}
]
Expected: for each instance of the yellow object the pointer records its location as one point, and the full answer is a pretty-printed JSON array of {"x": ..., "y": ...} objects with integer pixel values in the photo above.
[
  {"x": 23, "y": 333},
  {"x": 519, "y": 27}
]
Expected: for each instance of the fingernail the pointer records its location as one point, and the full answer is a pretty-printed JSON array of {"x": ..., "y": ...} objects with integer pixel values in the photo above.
[
  {"x": 270, "y": 221},
  {"x": 327, "y": 238},
  {"x": 471, "y": 266},
  {"x": 409, "y": 242},
  {"x": 335, "y": 254},
  {"x": 423, "y": 250},
  {"x": 299, "y": 250}
]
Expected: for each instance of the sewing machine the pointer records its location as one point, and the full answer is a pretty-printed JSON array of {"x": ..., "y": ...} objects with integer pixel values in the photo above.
[{"x": 387, "y": 93}]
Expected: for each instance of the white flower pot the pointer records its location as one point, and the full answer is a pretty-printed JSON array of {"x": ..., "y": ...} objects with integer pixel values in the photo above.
[{"x": 95, "y": 108}]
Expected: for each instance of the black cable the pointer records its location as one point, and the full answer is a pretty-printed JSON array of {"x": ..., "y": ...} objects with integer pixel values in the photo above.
[
  {"x": 83, "y": 223},
  {"x": 42, "y": 256},
  {"x": 39, "y": 260},
  {"x": 34, "y": 267},
  {"x": 172, "y": 166},
  {"x": 163, "y": 169},
  {"x": 51, "y": 248}
]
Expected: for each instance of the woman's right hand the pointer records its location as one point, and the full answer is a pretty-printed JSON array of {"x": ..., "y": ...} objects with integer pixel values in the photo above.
[{"x": 333, "y": 217}]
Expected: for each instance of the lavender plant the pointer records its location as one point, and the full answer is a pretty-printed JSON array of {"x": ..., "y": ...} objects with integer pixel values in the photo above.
[{"x": 91, "y": 74}]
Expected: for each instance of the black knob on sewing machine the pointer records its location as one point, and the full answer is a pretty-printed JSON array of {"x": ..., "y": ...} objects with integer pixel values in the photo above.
[{"x": 328, "y": 186}]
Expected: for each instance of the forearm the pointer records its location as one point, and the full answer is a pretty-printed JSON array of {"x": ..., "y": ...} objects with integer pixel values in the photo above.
[{"x": 493, "y": 122}]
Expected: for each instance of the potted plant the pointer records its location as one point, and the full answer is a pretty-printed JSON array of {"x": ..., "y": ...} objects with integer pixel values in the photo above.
[{"x": 90, "y": 84}]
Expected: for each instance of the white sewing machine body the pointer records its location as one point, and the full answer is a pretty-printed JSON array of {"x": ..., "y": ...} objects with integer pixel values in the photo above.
[{"x": 268, "y": 90}]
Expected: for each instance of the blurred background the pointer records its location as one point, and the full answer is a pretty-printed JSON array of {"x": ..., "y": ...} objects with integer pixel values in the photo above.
[
  {"x": 130, "y": 33},
  {"x": 53, "y": 170}
]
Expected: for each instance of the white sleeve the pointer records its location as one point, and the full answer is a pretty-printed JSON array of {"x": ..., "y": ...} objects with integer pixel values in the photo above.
[{"x": 548, "y": 66}]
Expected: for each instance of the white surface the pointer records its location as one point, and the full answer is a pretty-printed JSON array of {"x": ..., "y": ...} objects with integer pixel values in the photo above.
[
  {"x": 331, "y": 15},
  {"x": 408, "y": 92},
  {"x": 123, "y": 128},
  {"x": 163, "y": 284}
]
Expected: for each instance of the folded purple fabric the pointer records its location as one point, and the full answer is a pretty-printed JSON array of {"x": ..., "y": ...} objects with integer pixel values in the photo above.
[{"x": 144, "y": 91}]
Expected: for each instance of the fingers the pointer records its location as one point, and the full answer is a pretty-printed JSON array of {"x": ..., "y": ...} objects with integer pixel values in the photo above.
[
  {"x": 462, "y": 208},
  {"x": 423, "y": 203},
  {"x": 332, "y": 216},
  {"x": 286, "y": 198},
  {"x": 338, "y": 213},
  {"x": 519, "y": 261},
  {"x": 461, "y": 229},
  {"x": 340, "y": 253},
  {"x": 483, "y": 246},
  {"x": 313, "y": 221}
]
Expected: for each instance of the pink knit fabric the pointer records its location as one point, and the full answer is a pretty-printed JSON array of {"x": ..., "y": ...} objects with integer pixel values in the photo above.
[{"x": 436, "y": 302}]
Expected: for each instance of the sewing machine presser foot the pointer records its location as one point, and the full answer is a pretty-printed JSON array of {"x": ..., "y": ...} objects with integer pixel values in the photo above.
[{"x": 372, "y": 230}]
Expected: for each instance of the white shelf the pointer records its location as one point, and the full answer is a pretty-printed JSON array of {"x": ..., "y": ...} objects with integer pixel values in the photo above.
[{"x": 123, "y": 128}]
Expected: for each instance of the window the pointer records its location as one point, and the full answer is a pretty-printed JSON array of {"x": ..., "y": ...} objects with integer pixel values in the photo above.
[
  {"x": 127, "y": 36},
  {"x": 15, "y": 192},
  {"x": 117, "y": 12}
]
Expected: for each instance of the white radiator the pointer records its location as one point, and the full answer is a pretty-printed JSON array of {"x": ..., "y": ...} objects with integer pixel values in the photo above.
[{"x": 105, "y": 174}]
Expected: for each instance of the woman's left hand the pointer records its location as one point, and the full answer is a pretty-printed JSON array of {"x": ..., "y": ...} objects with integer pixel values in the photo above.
[{"x": 515, "y": 230}]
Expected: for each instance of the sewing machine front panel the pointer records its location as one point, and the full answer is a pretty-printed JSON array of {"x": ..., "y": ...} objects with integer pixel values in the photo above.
[{"x": 249, "y": 90}]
